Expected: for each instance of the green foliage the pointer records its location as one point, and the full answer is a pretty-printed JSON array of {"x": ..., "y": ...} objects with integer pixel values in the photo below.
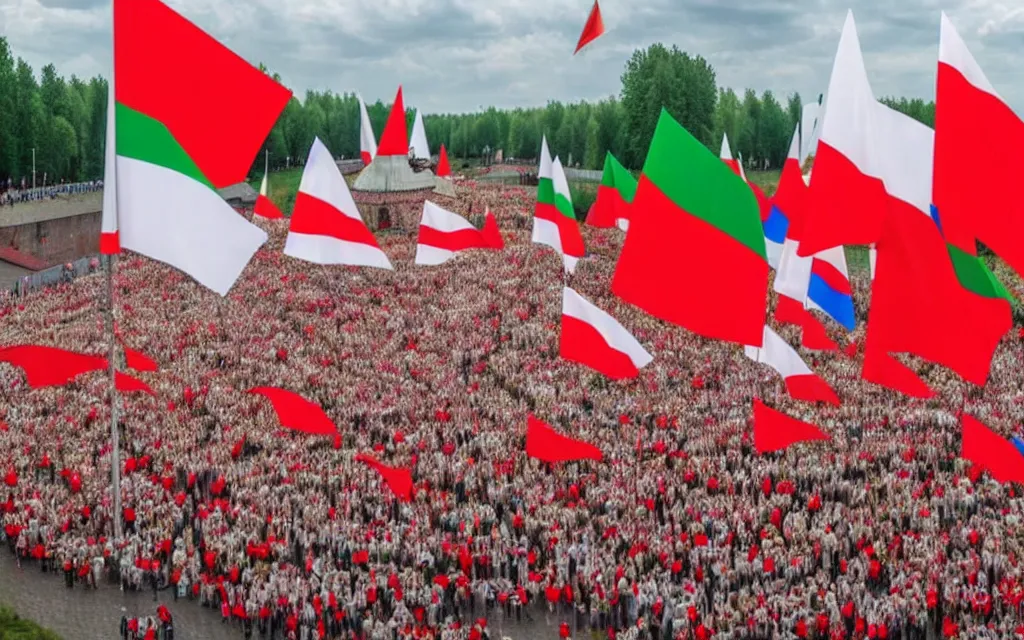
[
  {"x": 282, "y": 186},
  {"x": 14, "y": 628},
  {"x": 583, "y": 195},
  {"x": 65, "y": 120}
]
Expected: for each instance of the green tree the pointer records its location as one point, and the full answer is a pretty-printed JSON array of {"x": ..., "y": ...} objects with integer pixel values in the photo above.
[{"x": 658, "y": 78}]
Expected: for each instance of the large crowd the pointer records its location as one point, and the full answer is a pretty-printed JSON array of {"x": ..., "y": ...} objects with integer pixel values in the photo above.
[
  {"x": 11, "y": 194},
  {"x": 683, "y": 531}
]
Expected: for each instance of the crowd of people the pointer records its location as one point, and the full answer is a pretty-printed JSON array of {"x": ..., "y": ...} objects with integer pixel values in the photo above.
[
  {"x": 11, "y": 194},
  {"x": 683, "y": 531}
]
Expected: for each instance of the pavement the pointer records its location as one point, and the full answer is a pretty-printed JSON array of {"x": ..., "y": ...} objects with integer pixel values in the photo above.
[{"x": 95, "y": 614}]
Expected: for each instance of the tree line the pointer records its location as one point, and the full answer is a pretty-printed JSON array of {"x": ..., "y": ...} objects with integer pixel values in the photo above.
[{"x": 64, "y": 120}]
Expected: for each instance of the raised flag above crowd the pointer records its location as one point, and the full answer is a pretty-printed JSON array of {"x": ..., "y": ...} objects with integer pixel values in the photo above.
[{"x": 385, "y": 478}]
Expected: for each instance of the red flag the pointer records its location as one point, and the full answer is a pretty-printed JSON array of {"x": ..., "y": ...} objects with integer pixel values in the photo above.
[
  {"x": 592, "y": 30},
  {"x": 774, "y": 430},
  {"x": 543, "y": 443},
  {"x": 399, "y": 480},
  {"x": 443, "y": 168},
  {"x": 50, "y": 366},
  {"x": 395, "y": 139},
  {"x": 138, "y": 360},
  {"x": 492, "y": 235},
  {"x": 295, "y": 412},
  {"x": 265, "y": 208},
  {"x": 990, "y": 451},
  {"x": 885, "y": 370},
  {"x": 126, "y": 383}
]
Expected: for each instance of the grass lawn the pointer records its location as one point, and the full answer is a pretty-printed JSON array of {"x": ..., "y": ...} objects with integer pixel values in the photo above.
[
  {"x": 283, "y": 185},
  {"x": 14, "y": 628}
]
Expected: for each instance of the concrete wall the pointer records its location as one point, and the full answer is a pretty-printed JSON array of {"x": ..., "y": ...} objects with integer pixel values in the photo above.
[{"x": 55, "y": 231}]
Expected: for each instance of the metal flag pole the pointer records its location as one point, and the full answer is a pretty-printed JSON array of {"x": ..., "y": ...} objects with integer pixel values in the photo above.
[{"x": 115, "y": 436}]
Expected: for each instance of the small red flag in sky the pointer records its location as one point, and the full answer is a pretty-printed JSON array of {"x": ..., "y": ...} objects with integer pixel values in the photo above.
[{"x": 592, "y": 30}]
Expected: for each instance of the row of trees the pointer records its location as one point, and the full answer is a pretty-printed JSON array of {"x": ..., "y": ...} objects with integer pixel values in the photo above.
[
  {"x": 61, "y": 121},
  {"x": 64, "y": 120}
]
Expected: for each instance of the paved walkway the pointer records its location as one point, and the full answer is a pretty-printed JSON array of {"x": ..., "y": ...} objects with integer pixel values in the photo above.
[{"x": 95, "y": 614}]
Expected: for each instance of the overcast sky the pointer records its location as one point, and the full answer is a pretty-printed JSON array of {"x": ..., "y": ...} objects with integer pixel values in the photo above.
[{"x": 458, "y": 55}]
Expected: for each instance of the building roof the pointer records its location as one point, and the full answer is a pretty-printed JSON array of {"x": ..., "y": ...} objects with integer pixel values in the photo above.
[{"x": 242, "y": 191}]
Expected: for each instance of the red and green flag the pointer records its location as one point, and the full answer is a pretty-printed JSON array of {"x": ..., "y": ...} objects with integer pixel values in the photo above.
[
  {"x": 695, "y": 253},
  {"x": 185, "y": 118},
  {"x": 614, "y": 195}
]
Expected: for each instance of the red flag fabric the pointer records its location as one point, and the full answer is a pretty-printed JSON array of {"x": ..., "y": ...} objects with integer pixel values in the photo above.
[
  {"x": 443, "y": 168},
  {"x": 395, "y": 139},
  {"x": 492, "y": 235},
  {"x": 774, "y": 430},
  {"x": 295, "y": 412},
  {"x": 265, "y": 208},
  {"x": 543, "y": 443},
  {"x": 977, "y": 199},
  {"x": 592, "y": 30},
  {"x": 126, "y": 383},
  {"x": 991, "y": 452},
  {"x": 398, "y": 479},
  {"x": 138, "y": 360},
  {"x": 153, "y": 41},
  {"x": 919, "y": 306},
  {"x": 50, "y": 366},
  {"x": 885, "y": 370}
]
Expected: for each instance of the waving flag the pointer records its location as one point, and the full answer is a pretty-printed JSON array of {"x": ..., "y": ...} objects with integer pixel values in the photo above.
[
  {"x": 554, "y": 221},
  {"x": 919, "y": 304},
  {"x": 326, "y": 227},
  {"x": 397, "y": 479},
  {"x": 295, "y": 412},
  {"x": 776, "y": 227},
  {"x": 695, "y": 219},
  {"x": 443, "y": 234},
  {"x": 544, "y": 444},
  {"x": 139, "y": 361},
  {"x": 186, "y": 118},
  {"x": 126, "y": 383},
  {"x": 50, "y": 366},
  {"x": 801, "y": 382},
  {"x": 847, "y": 194},
  {"x": 725, "y": 154},
  {"x": 592, "y": 30},
  {"x": 991, "y": 452},
  {"x": 978, "y": 199},
  {"x": 264, "y": 206},
  {"x": 774, "y": 430},
  {"x": 594, "y": 338},
  {"x": 614, "y": 195},
  {"x": 444, "y": 170},
  {"x": 367, "y": 140}
]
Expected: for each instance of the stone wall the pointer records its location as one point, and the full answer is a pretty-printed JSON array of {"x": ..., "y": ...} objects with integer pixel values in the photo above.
[
  {"x": 56, "y": 240},
  {"x": 54, "y": 231}
]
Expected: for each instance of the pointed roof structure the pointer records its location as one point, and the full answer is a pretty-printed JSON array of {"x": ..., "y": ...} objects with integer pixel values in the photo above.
[
  {"x": 443, "y": 178},
  {"x": 390, "y": 170}
]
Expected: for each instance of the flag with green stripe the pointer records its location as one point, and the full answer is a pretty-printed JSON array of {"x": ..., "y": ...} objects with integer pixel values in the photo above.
[
  {"x": 614, "y": 195},
  {"x": 185, "y": 118},
  {"x": 554, "y": 221},
  {"x": 695, "y": 253}
]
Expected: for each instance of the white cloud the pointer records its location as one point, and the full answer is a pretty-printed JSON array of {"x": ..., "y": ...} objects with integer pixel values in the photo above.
[{"x": 455, "y": 55}]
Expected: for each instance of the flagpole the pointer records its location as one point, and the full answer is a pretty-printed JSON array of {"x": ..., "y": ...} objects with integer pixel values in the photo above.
[{"x": 115, "y": 436}]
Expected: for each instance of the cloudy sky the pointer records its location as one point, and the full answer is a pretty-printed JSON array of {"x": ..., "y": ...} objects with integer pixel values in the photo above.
[{"x": 458, "y": 55}]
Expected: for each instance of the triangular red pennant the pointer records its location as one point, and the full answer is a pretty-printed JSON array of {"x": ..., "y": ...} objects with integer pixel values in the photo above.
[
  {"x": 543, "y": 443},
  {"x": 774, "y": 430},
  {"x": 592, "y": 30},
  {"x": 395, "y": 139},
  {"x": 443, "y": 168}
]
